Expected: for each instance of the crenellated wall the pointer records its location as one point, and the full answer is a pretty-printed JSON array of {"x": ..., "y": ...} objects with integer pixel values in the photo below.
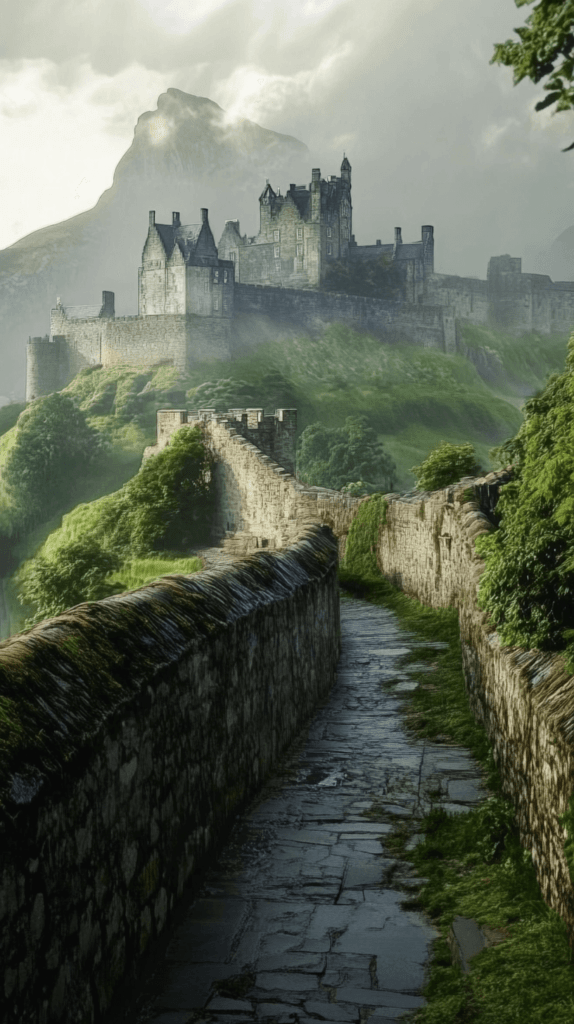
[
  {"x": 524, "y": 698},
  {"x": 258, "y": 500},
  {"x": 144, "y": 723}
]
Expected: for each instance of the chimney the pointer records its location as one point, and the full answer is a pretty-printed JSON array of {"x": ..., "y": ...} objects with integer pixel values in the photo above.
[
  {"x": 175, "y": 221},
  {"x": 316, "y": 174},
  {"x": 398, "y": 237},
  {"x": 203, "y": 215},
  {"x": 152, "y": 217}
]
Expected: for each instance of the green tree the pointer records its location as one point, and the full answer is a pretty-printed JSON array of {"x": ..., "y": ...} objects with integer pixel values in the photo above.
[
  {"x": 528, "y": 584},
  {"x": 336, "y": 456},
  {"x": 378, "y": 279},
  {"x": 168, "y": 504},
  {"x": 55, "y": 448},
  {"x": 445, "y": 465},
  {"x": 545, "y": 50},
  {"x": 78, "y": 575}
]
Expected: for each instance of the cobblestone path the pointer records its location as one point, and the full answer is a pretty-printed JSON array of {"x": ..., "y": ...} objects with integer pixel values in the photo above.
[{"x": 301, "y": 920}]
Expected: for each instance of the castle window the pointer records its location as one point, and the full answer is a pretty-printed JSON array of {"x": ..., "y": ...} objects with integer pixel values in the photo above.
[
  {"x": 329, "y": 232},
  {"x": 225, "y": 276},
  {"x": 206, "y": 285},
  {"x": 299, "y": 233},
  {"x": 299, "y": 250},
  {"x": 275, "y": 236},
  {"x": 329, "y": 250},
  {"x": 277, "y": 251},
  {"x": 215, "y": 305},
  {"x": 233, "y": 256},
  {"x": 216, "y": 276}
]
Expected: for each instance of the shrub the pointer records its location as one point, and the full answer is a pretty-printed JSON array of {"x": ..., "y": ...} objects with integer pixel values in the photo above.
[
  {"x": 445, "y": 465},
  {"x": 528, "y": 584},
  {"x": 78, "y": 575}
]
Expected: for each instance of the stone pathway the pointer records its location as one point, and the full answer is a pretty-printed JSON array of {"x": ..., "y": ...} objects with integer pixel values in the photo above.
[{"x": 302, "y": 918}]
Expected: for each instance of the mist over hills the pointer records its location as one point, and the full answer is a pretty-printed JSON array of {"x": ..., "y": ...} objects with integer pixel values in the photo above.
[{"x": 185, "y": 155}]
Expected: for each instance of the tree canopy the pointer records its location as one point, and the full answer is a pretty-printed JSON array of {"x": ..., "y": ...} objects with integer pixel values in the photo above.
[
  {"x": 445, "y": 465},
  {"x": 55, "y": 447},
  {"x": 339, "y": 456},
  {"x": 545, "y": 50}
]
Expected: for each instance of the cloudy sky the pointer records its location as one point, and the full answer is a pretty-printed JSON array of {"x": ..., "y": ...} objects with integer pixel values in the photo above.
[{"x": 435, "y": 134}]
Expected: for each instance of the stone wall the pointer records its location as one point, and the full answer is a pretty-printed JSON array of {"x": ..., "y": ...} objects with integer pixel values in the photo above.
[
  {"x": 466, "y": 296},
  {"x": 309, "y": 310},
  {"x": 149, "y": 718},
  {"x": 524, "y": 698}
]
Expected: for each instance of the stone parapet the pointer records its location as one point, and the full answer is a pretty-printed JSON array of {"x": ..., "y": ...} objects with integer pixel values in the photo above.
[{"x": 139, "y": 726}]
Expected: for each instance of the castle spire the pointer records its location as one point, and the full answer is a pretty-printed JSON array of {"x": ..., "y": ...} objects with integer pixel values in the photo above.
[{"x": 346, "y": 170}]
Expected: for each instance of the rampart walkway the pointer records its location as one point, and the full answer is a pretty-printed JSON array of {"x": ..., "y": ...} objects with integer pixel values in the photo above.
[{"x": 302, "y": 918}]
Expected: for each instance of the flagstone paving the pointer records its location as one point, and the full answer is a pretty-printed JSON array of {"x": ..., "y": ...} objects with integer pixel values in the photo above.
[{"x": 302, "y": 920}]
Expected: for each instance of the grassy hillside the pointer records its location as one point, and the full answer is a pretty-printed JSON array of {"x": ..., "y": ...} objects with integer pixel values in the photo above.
[{"x": 412, "y": 397}]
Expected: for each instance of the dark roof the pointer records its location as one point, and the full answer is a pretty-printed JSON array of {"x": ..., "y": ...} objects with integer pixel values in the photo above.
[{"x": 83, "y": 312}]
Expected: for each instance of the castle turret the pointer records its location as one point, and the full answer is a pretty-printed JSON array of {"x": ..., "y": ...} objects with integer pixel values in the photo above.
[{"x": 346, "y": 171}]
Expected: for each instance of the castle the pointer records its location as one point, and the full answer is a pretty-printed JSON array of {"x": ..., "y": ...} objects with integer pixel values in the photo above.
[{"x": 192, "y": 293}]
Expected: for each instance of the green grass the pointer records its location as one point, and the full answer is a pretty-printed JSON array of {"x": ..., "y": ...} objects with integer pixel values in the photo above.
[
  {"x": 473, "y": 862},
  {"x": 138, "y": 572}
]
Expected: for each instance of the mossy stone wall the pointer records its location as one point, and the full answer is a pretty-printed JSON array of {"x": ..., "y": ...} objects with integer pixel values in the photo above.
[
  {"x": 524, "y": 698},
  {"x": 146, "y": 721}
]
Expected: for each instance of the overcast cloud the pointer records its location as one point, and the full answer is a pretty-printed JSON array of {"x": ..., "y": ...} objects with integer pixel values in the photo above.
[{"x": 434, "y": 133}]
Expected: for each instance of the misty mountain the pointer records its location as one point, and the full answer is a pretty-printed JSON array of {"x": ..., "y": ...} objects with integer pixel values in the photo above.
[{"x": 185, "y": 155}]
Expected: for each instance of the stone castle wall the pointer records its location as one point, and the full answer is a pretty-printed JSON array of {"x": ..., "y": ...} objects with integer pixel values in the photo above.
[
  {"x": 524, "y": 698},
  {"x": 179, "y": 339},
  {"x": 163, "y": 710},
  {"x": 308, "y": 310}
]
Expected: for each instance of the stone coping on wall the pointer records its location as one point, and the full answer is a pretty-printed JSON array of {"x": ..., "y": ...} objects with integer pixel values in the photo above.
[{"x": 99, "y": 653}]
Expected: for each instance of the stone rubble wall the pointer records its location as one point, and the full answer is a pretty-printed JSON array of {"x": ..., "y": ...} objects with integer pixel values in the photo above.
[
  {"x": 525, "y": 699},
  {"x": 150, "y": 718}
]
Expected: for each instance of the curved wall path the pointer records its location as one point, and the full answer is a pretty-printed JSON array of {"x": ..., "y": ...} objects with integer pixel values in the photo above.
[{"x": 303, "y": 912}]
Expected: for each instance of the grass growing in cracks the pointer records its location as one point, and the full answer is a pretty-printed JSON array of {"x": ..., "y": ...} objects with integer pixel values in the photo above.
[{"x": 473, "y": 862}]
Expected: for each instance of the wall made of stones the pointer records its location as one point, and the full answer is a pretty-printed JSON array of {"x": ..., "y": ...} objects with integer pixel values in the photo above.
[
  {"x": 150, "y": 719},
  {"x": 263, "y": 503},
  {"x": 145, "y": 341},
  {"x": 562, "y": 308},
  {"x": 310, "y": 310},
  {"x": 524, "y": 698},
  {"x": 465, "y": 295}
]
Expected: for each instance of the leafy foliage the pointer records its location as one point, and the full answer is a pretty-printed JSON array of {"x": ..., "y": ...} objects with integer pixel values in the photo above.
[
  {"x": 78, "y": 575},
  {"x": 54, "y": 448},
  {"x": 335, "y": 456},
  {"x": 445, "y": 465},
  {"x": 165, "y": 507},
  {"x": 545, "y": 50},
  {"x": 361, "y": 547},
  {"x": 528, "y": 583},
  {"x": 377, "y": 279}
]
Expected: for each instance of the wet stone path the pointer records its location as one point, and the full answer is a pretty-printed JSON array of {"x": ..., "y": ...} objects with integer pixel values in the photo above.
[{"x": 302, "y": 918}]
